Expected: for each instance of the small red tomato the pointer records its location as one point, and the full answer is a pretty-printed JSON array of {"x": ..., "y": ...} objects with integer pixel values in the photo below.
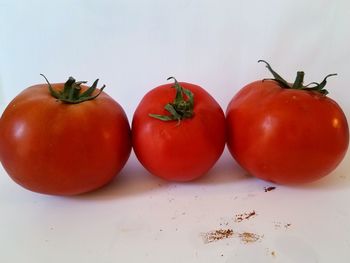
[
  {"x": 63, "y": 139},
  {"x": 286, "y": 133},
  {"x": 178, "y": 131}
]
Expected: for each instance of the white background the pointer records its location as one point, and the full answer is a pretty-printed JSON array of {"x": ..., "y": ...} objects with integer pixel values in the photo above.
[{"x": 133, "y": 46}]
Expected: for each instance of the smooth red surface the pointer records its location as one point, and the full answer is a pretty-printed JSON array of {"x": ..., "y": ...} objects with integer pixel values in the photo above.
[
  {"x": 63, "y": 149},
  {"x": 178, "y": 151},
  {"x": 286, "y": 136}
]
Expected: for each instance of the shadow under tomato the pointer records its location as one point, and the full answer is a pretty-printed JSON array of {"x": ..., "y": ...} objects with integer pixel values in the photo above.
[
  {"x": 136, "y": 180},
  {"x": 338, "y": 179},
  {"x": 132, "y": 180},
  {"x": 225, "y": 171}
]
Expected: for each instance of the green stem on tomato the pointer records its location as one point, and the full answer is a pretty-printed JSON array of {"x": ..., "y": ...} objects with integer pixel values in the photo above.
[
  {"x": 180, "y": 108},
  {"x": 298, "y": 83},
  {"x": 71, "y": 92}
]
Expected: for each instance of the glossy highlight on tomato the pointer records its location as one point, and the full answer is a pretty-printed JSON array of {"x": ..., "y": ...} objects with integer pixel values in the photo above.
[
  {"x": 178, "y": 131},
  {"x": 64, "y": 138},
  {"x": 286, "y": 133}
]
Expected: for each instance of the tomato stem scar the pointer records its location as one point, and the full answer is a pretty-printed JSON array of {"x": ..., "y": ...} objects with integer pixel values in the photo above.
[
  {"x": 180, "y": 108},
  {"x": 71, "y": 92},
  {"x": 298, "y": 83}
]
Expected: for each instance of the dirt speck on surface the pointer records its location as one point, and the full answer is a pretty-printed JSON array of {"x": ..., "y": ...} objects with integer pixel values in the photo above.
[
  {"x": 286, "y": 226},
  {"x": 217, "y": 235},
  {"x": 248, "y": 237},
  {"x": 244, "y": 216},
  {"x": 279, "y": 225},
  {"x": 269, "y": 188},
  {"x": 220, "y": 234}
]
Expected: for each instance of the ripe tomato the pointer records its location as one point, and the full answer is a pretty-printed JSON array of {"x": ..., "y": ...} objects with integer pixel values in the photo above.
[
  {"x": 184, "y": 139},
  {"x": 65, "y": 140},
  {"x": 286, "y": 133}
]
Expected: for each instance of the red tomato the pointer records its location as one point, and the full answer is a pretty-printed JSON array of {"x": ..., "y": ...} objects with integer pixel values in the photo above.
[
  {"x": 286, "y": 134},
  {"x": 187, "y": 136},
  {"x": 66, "y": 145}
]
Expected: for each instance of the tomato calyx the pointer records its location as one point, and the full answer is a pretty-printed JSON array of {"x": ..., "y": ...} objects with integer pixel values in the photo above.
[
  {"x": 71, "y": 92},
  {"x": 180, "y": 108},
  {"x": 298, "y": 83}
]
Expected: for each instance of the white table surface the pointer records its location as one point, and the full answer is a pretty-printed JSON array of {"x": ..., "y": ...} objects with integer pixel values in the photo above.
[
  {"x": 140, "y": 218},
  {"x": 133, "y": 46}
]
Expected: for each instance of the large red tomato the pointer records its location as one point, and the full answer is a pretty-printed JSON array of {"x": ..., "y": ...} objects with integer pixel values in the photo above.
[
  {"x": 63, "y": 139},
  {"x": 286, "y": 133},
  {"x": 178, "y": 131}
]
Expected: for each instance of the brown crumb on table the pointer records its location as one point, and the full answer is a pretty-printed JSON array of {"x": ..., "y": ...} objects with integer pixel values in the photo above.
[
  {"x": 244, "y": 216},
  {"x": 273, "y": 253},
  {"x": 287, "y": 225},
  {"x": 248, "y": 237},
  {"x": 217, "y": 235},
  {"x": 270, "y": 188},
  {"x": 279, "y": 225}
]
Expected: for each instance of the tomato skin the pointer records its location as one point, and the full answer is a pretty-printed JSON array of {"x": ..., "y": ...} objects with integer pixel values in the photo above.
[
  {"x": 178, "y": 151},
  {"x": 57, "y": 148},
  {"x": 286, "y": 136}
]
